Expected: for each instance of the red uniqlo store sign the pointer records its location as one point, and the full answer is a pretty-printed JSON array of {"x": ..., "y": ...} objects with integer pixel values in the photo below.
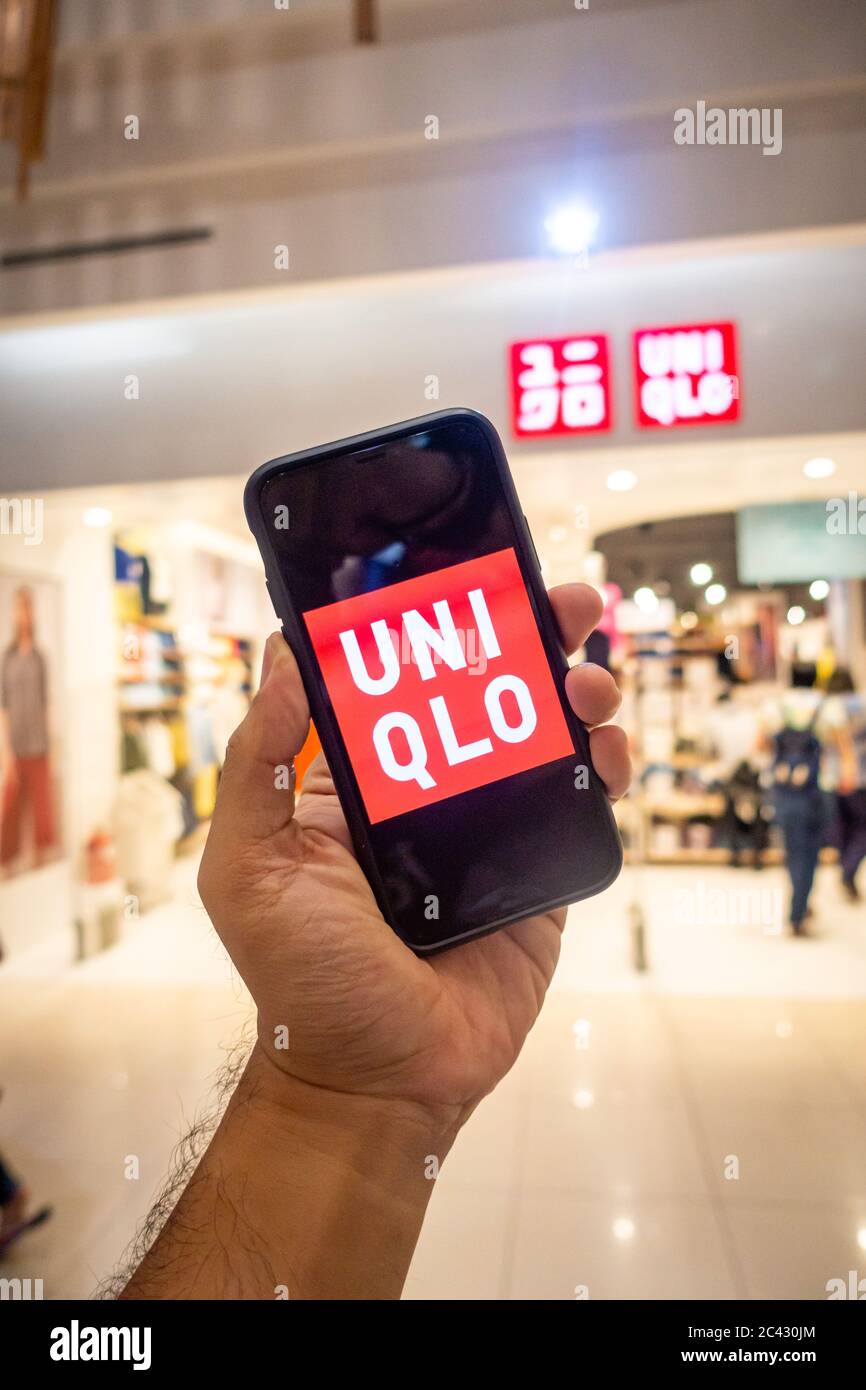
[
  {"x": 439, "y": 684},
  {"x": 560, "y": 386},
  {"x": 686, "y": 376}
]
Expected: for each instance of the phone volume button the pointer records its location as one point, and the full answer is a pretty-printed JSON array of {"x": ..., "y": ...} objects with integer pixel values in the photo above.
[
  {"x": 273, "y": 598},
  {"x": 531, "y": 541}
]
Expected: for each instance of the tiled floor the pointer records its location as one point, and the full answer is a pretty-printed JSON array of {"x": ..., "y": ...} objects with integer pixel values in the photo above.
[{"x": 701, "y": 1134}]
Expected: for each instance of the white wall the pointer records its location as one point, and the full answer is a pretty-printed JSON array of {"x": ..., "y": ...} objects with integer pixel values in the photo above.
[{"x": 224, "y": 387}]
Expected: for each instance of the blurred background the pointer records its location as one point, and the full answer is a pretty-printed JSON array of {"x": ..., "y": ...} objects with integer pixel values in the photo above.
[{"x": 233, "y": 229}]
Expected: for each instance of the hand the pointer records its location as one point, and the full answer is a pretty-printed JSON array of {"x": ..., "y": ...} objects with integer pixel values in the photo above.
[{"x": 366, "y": 1017}]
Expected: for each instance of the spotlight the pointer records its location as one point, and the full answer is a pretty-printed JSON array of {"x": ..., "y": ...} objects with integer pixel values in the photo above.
[
  {"x": 646, "y": 599},
  {"x": 623, "y": 1228},
  {"x": 819, "y": 468},
  {"x": 571, "y": 228},
  {"x": 621, "y": 480}
]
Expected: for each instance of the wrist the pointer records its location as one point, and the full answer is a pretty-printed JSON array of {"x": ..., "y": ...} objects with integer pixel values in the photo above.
[
  {"x": 375, "y": 1133},
  {"x": 334, "y": 1185}
]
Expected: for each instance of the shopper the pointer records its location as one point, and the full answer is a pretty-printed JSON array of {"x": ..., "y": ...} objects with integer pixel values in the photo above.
[
  {"x": 15, "y": 1215},
  {"x": 733, "y": 730},
  {"x": 845, "y": 718},
  {"x": 368, "y": 1058},
  {"x": 791, "y": 731},
  {"x": 25, "y": 768}
]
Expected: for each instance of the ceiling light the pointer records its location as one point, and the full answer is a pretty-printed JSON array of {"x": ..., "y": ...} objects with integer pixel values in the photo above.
[
  {"x": 796, "y": 614},
  {"x": 819, "y": 589},
  {"x": 688, "y": 620},
  {"x": 646, "y": 599},
  {"x": 716, "y": 593},
  {"x": 621, "y": 480},
  {"x": 819, "y": 468},
  {"x": 701, "y": 573},
  {"x": 571, "y": 228}
]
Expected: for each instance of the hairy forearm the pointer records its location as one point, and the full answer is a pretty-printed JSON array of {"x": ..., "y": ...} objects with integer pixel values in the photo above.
[{"x": 301, "y": 1194}]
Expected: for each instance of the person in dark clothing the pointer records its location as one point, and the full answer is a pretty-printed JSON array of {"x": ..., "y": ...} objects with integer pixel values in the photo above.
[
  {"x": 15, "y": 1217},
  {"x": 793, "y": 732},
  {"x": 846, "y": 773}
]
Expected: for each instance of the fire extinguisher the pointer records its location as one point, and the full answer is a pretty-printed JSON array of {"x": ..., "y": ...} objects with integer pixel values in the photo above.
[{"x": 100, "y": 858}]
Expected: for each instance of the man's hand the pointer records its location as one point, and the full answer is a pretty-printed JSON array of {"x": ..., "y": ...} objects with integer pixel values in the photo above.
[
  {"x": 296, "y": 914},
  {"x": 316, "y": 1182}
]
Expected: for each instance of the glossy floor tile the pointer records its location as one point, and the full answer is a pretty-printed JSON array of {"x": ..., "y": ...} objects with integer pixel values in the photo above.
[
  {"x": 794, "y": 1250},
  {"x": 694, "y": 1130},
  {"x": 579, "y": 1248}
]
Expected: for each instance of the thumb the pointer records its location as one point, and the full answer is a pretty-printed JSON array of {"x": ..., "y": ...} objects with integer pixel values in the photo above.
[{"x": 256, "y": 795}]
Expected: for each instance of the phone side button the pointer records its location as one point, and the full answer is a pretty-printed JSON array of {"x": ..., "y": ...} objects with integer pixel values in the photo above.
[
  {"x": 272, "y": 598},
  {"x": 532, "y": 542}
]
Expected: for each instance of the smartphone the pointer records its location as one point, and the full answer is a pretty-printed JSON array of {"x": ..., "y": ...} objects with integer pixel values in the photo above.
[{"x": 405, "y": 578}]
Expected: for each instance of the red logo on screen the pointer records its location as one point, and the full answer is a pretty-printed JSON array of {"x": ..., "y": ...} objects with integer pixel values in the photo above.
[
  {"x": 560, "y": 386},
  {"x": 439, "y": 684},
  {"x": 686, "y": 376}
]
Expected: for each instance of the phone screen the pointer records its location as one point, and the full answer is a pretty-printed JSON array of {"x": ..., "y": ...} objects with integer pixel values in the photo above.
[{"x": 414, "y": 608}]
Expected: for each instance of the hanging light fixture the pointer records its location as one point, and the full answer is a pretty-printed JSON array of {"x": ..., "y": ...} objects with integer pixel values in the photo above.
[
  {"x": 26, "y": 39},
  {"x": 366, "y": 21}
]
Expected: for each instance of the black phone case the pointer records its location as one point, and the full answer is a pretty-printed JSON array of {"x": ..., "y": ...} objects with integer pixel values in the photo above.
[{"x": 320, "y": 708}]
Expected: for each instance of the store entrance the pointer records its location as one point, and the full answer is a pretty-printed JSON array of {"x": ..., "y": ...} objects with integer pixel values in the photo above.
[{"x": 713, "y": 670}]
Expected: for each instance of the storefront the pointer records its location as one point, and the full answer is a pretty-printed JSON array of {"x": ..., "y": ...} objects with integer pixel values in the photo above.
[
  {"x": 636, "y": 390},
  {"x": 147, "y": 615}
]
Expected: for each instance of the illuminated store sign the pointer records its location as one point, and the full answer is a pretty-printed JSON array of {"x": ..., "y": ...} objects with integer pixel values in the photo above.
[
  {"x": 684, "y": 375},
  {"x": 560, "y": 386}
]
